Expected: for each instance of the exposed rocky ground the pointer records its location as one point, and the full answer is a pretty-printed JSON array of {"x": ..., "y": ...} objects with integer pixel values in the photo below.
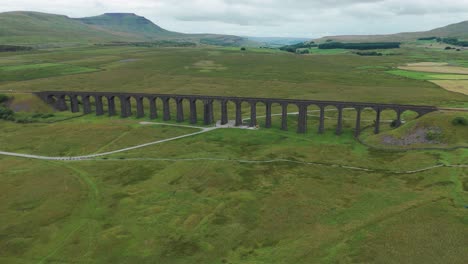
[{"x": 422, "y": 135}]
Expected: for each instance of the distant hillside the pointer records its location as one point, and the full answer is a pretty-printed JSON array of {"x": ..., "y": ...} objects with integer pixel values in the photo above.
[
  {"x": 129, "y": 23},
  {"x": 33, "y": 28},
  {"x": 39, "y": 28},
  {"x": 278, "y": 41},
  {"x": 459, "y": 30}
]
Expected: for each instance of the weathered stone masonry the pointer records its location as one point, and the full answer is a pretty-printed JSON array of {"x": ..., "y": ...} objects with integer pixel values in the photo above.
[{"x": 59, "y": 101}]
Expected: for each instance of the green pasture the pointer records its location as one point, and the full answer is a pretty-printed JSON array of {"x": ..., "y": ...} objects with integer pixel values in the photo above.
[
  {"x": 42, "y": 70},
  {"x": 427, "y": 76},
  {"x": 202, "y": 203},
  {"x": 220, "y": 71},
  {"x": 327, "y": 51},
  {"x": 230, "y": 195}
]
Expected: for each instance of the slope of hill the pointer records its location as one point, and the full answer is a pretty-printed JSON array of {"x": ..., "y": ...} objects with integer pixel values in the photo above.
[
  {"x": 38, "y": 28},
  {"x": 459, "y": 30},
  {"x": 129, "y": 23},
  {"x": 33, "y": 28}
]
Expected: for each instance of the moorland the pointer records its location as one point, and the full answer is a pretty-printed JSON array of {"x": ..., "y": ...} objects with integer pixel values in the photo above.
[{"x": 235, "y": 195}]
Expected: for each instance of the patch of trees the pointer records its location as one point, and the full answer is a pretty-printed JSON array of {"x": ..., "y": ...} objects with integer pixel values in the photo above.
[
  {"x": 450, "y": 41},
  {"x": 11, "y": 48},
  {"x": 369, "y": 53},
  {"x": 454, "y": 41},
  {"x": 360, "y": 46},
  {"x": 429, "y": 38},
  {"x": 294, "y": 48},
  {"x": 161, "y": 44},
  {"x": 460, "y": 121},
  {"x": 302, "y": 51},
  {"x": 5, "y": 112}
]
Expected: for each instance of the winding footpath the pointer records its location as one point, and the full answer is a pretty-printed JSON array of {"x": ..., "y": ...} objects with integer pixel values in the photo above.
[
  {"x": 93, "y": 156},
  {"x": 99, "y": 156}
]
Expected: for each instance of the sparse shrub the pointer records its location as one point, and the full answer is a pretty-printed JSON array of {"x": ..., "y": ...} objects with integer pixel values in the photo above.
[
  {"x": 23, "y": 120},
  {"x": 448, "y": 48},
  {"x": 47, "y": 115},
  {"x": 6, "y": 114},
  {"x": 395, "y": 123},
  {"x": 243, "y": 49},
  {"x": 460, "y": 121},
  {"x": 369, "y": 53},
  {"x": 433, "y": 135},
  {"x": 3, "y": 98}
]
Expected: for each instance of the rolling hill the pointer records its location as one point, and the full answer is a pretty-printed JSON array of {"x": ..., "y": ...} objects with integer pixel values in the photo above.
[
  {"x": 459, "y": 30},
  {"x": 41, "y": 29},
  {"x": 129, "y": 23}
]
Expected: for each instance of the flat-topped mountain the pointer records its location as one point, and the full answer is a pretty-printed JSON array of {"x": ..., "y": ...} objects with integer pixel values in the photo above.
[
  {"x": 34, "y": 28},
  {"x": 130, "y": 23}
]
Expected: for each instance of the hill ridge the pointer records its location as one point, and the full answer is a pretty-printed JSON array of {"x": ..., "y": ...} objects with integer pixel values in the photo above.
[{"x": 44, "y": 29}]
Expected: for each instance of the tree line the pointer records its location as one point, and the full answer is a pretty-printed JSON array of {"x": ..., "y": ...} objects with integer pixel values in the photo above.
[
  {"x": 450, "y": 41},
  {"x": 298, "y": 47},
  {"x": 360, "y": 46}
]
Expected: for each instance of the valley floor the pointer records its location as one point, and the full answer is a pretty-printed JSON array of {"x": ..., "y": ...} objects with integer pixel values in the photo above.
[
  {"x": 227, "y": 196},
  {"x": 173, "y": 193}
]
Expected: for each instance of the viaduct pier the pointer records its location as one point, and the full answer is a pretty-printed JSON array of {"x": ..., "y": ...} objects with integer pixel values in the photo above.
[{"x": 64, "y": 101}]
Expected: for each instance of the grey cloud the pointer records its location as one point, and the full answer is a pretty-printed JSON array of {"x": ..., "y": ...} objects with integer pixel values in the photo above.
[{"x": 268, "y": 17}]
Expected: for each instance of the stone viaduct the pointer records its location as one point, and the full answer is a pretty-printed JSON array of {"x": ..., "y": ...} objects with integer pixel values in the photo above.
[{"x": 59, "y": 100}]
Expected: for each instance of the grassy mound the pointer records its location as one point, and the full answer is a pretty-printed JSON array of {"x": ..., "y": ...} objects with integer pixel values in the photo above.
[{"x": 433, "y": 130}]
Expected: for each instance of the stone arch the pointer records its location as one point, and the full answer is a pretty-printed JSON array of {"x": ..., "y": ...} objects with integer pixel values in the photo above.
[{"x": 404, "y": 115}]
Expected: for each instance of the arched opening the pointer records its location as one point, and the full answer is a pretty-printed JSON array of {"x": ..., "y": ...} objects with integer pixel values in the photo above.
[{"x": 403, "y": 116}]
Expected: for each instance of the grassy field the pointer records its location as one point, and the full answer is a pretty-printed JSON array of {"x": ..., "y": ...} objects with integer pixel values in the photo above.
[
  {"x": 232, "y": 195},
  {"x": 37, "y": 71},
  {"x": 427, "y": 76},
  {"x": 234, "y": 72},
  {"x": 156, "y": 204},
  {"x": 456, "y": 86},
  {"x": 437, "y": 128}
]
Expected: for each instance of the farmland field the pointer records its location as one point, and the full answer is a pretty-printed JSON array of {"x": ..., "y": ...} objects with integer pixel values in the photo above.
[{"x": 232, "y": 195}]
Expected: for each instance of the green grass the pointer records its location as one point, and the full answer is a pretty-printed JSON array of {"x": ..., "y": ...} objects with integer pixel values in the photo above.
[
  {"x": 158, "y": 205},
  {"x": 283, "y": 75},
  {"x": 427, "y": 76},
  {"x": 42, "y": 70},
  {"x": 87, "y": 136},
  {"x": 221, "y": 211},
  {"x": 327, "y": 51},
  {"x": 447, "y": 134}
]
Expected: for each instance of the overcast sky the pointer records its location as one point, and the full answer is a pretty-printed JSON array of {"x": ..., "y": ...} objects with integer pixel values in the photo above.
[{"x": 283, "y": 18}]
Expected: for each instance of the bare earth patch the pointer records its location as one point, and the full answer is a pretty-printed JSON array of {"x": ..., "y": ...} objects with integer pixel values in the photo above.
[
  {"x": 208, "y": 66},
  {"x": 457, "y": 86},
  {"x": 427, "y": 64},
  {"x": 417, "y": 136}
]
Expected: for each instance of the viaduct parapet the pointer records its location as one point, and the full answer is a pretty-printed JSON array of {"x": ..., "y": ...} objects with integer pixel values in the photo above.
[{"x": 58, "y": 99}]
